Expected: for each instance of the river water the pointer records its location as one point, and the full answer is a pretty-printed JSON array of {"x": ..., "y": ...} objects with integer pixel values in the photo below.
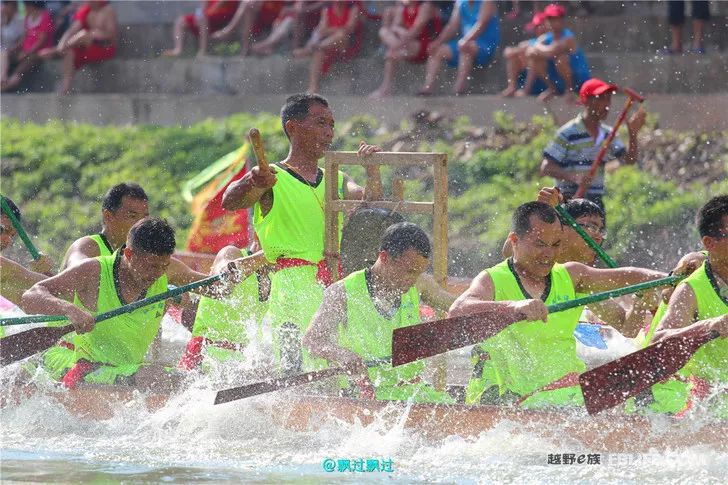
[{"x": 191, "y": 441}]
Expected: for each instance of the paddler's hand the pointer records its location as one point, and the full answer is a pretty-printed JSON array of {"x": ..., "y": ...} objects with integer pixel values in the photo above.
[
  {"x": 43, "y": 265},
  {"x": 530, "y": 310},
  {"x": 636, "y": 121},
  {"x": 83, "y": 321},
  {"x": 263, "y": 179},
  {"x": 722, "y": 326},
  {"x": 366, "y": 149},
  {"x": 550, "y": 196},
  {"x": 686, "y": 266}
]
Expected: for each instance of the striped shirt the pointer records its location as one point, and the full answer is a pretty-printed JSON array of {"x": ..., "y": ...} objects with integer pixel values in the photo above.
[{"x": 574, "y": 150}]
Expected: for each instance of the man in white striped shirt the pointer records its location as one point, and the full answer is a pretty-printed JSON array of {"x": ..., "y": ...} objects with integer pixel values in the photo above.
[{"x": 570, "y": 155}]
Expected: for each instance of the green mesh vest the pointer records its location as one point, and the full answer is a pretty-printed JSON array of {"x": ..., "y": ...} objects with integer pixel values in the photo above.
[
  {"x": 369, "y": 334},
  {"x": 526, "y": 356}
]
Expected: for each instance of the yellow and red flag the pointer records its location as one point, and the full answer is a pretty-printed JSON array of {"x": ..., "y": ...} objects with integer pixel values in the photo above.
[{"x": 213, "y": 227}]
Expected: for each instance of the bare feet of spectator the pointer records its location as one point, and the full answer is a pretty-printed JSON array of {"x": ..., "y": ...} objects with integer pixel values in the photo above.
[
  {"x": 521, "y": 93},
  {"x": 262, "y": 49},
  {"x": 509, "y": 92},
  {"x": 302, "y": 52},
  {"x": 546, "y": 95},
  {"x": 171, "y": 53},
  {"x": 380, "y": 94}
]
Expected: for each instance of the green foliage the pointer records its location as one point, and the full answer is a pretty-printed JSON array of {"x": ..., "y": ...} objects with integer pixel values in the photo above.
[{"x": 57, "y": 173}]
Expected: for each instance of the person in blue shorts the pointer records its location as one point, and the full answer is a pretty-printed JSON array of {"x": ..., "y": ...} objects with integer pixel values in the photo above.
[
  {"x": 515, "y": 56},
  {"x": 477, "y": 23},
  {"x": 555, "y": 59}
]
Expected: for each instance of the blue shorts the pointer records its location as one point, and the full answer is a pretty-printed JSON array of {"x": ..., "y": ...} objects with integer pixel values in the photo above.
[{"x": 483, "y": 58}]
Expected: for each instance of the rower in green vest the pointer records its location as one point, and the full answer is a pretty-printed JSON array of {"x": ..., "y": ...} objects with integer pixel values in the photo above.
[
  {"x": 532, "y": 361},
  {"x": 115, "y": 348},
  {"x": 15, "y": 279},
  {"x": 354, "y": 324},
  {"x": 122, "y": 206},
  {"x": 699, "y": 304},
  {"x": 288, "y": 204},
  {"x": 224, "y": 327}
]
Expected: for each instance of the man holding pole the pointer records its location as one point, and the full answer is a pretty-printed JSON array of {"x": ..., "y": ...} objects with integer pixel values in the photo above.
[
  {"x": 578, "y": 144},
  {"x": 112, "y": 351},
  {"x": 288, "y": 206},
  {"x": 532, "y": 361}
]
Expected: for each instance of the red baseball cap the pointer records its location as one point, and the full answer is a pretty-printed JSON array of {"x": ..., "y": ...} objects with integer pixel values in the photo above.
[
  {"x": 595, "y": 87},
  {"x": 538, "y": 19},
  {"x": 554, "y": 10}
]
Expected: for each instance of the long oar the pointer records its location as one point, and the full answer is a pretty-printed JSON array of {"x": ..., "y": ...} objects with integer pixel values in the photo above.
[
  {"x": 19, "y": 229},
  {"x": 615, "y": 382},
  {"x": 271, "y": 385},
  {"x": 432, "y": 338},
  {"x": 24, "y": 344},
  {"x": 566, "y": 218}
]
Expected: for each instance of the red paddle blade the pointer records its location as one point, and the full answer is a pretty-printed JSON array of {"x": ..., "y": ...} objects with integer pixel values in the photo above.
[
  {"x": 24, "y": 344},
  {"x": 250, "y": 390},
  {"x": 615, "y": 382},
  {"x": 432, "y": 338}
]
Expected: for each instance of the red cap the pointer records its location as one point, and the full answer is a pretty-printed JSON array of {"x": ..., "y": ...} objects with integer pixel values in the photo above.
[
  {"x": 595, "y": 87},
  {"x": 538, "y": 19},
  {"x": 554, "y": 10}
]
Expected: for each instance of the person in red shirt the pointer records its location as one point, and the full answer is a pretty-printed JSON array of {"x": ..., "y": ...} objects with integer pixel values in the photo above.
[
  {"x": 212, "y": 16},
  {"x": 255, "y": 17},
  {"x": 337, "y": 37},
  {"x": 414, "y": 26},
  {"x": 91, "y": 38},
  {"x": 299, "y": 17},
  {"x": 38, "y": 35}
]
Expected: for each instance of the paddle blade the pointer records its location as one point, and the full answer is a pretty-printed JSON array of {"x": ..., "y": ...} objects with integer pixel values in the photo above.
[
  {"x": 24, "y": 344},
  {"x": 432, "y": 338},
  {"x": 615, "y": 382},
  {"x": 249, "y": 390}
]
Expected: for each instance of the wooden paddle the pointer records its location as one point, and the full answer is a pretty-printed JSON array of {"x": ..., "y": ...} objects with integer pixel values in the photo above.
[
  {"x": 19, "y": 229},
  {"x": 432, "y": 338},
  {"x": 257, "y": 143},
  {"x": 615, "y": 382},
  {"x": 24, "y": 344},
  {"x": 257, "y": 388}
]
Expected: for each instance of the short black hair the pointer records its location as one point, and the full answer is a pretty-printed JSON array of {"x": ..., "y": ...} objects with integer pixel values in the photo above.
[
  {"x": 152, "y": 235},
  {"x": 13, "y": 208},
  {"x": 710, "y": 216},
  {"x": 112, "y": 199},
  {"x": 521, "y": 221},
  {"x": 403, "y": 236},
  {"x": 298, "y": 105},
  {"x": 584, "y": 207},
  {"x": 37, "y": 4}
]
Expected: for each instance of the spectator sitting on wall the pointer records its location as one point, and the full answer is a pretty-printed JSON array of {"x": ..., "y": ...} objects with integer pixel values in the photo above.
[
  {"x": 477, "y": 22},
  {"x": 556, "y": 59},
  {"x": 209, "y": 18},
  {"x": 62, "y": 12},
  {"x": 299, "y": 17},
  {"x": 414, "y": 26},
  {"x": 92, "y": 37},
  {"x": 253, "y": 18},
  {"x": 38, "y": 35},
  {"x": 336, "y": 38},
  {"x": 515, "y": 56},
  {"x": 11, "y": 36}
]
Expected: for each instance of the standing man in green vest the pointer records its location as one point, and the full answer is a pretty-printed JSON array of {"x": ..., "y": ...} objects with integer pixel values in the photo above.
[
  {"x": 122, "y": 206},
  {"x": 532, "y": 361},
  {"x": 113, "y": 351},
  {"x": 699, "y": 304},
  {"x": 288, "y": 207},
  {"x": 355, "y": 321}
]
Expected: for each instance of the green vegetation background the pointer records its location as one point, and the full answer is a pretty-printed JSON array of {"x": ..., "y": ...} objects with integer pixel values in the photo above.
[{"x": 57, "y": 173}]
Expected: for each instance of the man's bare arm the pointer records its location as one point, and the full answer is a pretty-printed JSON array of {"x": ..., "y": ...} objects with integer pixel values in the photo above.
[
  {"x": 16, "y": 280},
  {"x": 322, "y": 337},
  {"x": 590, "y": 280},
  {"x": 433, "y": 294},
  {"x": 81, "y": 249},
  {"x": 253, "y": 187}
]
